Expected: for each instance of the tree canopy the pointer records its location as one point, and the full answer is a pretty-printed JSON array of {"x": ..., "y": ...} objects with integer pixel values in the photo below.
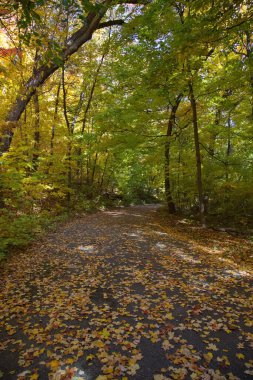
[{"x": 125, "y": 101}]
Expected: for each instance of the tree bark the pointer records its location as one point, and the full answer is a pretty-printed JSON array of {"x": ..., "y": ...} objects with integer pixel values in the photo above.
[
  {"x": 36, "y": 131},
  {"x": 214, "y": 133},
  {"x": 69, "y": 145},
  {"x": 229, "y": 148},
  {"x": 103, "y": 173},
  {"x": 249, "y": 54},
  {"x": 54, "y": 122},
  {"x": 171, "y": 123},
  {"x": 198, "y": 155},
  {"x": 94, "y": 168}
]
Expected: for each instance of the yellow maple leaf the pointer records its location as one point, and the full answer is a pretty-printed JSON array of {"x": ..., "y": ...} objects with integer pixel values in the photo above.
[
  {"x": 34, "y": 331},
  {"x": 35, "y": 376},
  {"x": 70, "y": 361},
  {"x": 108, "y": 369},
  {"x": 158, "y": 377},
  {"x": 54, "y": 364},
  {"x": 166, "y": 344},
  {"x": 99, "y": 344},
  {"x": 49, "y": 353},
  {"x": 224, "y": 359},
  {"x": 240, "y": 356},
  {"x": 208, "y": 357},
  {"x": 133, "y": 368},
  {"x": 105, "y": 334},
  {"x": 90, "y": 357},
  {"x": 212, "y": 347}
]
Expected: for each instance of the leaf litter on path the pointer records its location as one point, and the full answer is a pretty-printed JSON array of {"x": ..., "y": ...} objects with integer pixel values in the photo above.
[{"x": 153, "y": 302}]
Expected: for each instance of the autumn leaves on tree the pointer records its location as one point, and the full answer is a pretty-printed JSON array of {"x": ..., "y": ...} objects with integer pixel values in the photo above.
[{"x": 133, "y": 101}]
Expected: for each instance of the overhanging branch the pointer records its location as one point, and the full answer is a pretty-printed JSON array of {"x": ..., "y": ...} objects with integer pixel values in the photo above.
[{"x": 110, "y": 23}]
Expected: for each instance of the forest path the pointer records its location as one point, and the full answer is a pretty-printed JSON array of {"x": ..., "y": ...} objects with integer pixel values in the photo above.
[{"x": 125, "y": 294}]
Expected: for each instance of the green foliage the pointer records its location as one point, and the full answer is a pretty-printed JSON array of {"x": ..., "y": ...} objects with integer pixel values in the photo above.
[
  {"x": 95, "y": 136},
  {"x": 19, "y": 230}
]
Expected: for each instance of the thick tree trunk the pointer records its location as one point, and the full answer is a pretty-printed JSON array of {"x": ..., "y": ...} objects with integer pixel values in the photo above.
[
  {"x": 198, "y": 156},
  {"x": 170, "y": 204}
]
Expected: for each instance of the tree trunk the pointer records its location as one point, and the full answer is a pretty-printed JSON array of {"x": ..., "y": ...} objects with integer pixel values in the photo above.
[
  {"x": 198, "y": 155},
  {"x": 69, "y": 175},
  {"x": 103, "y": 174},
  {"x": 53, "y": 125},
  {"x": 214, "y": 133},
  {"x": 228, "y": 150},
  {"x": 86, "y": 111},
  {"x": 172, "y": 119},
  {"x": 94, "y": 168},
  {"x": 70, "y": 129},
  {"x": 249, "y": 50},
  {"x": 36, "y": 131}
]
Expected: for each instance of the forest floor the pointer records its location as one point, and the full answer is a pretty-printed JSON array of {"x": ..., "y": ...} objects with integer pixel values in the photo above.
[{"x": 128, "y": 294}]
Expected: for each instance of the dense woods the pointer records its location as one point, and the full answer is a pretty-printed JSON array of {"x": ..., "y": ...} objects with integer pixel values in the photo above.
[
  {"x": 119, "y": 102},
  {"x": 142, "y": 103}
]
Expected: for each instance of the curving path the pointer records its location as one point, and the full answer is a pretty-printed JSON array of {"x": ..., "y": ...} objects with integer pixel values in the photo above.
[{"x": 123, "y": 294}]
